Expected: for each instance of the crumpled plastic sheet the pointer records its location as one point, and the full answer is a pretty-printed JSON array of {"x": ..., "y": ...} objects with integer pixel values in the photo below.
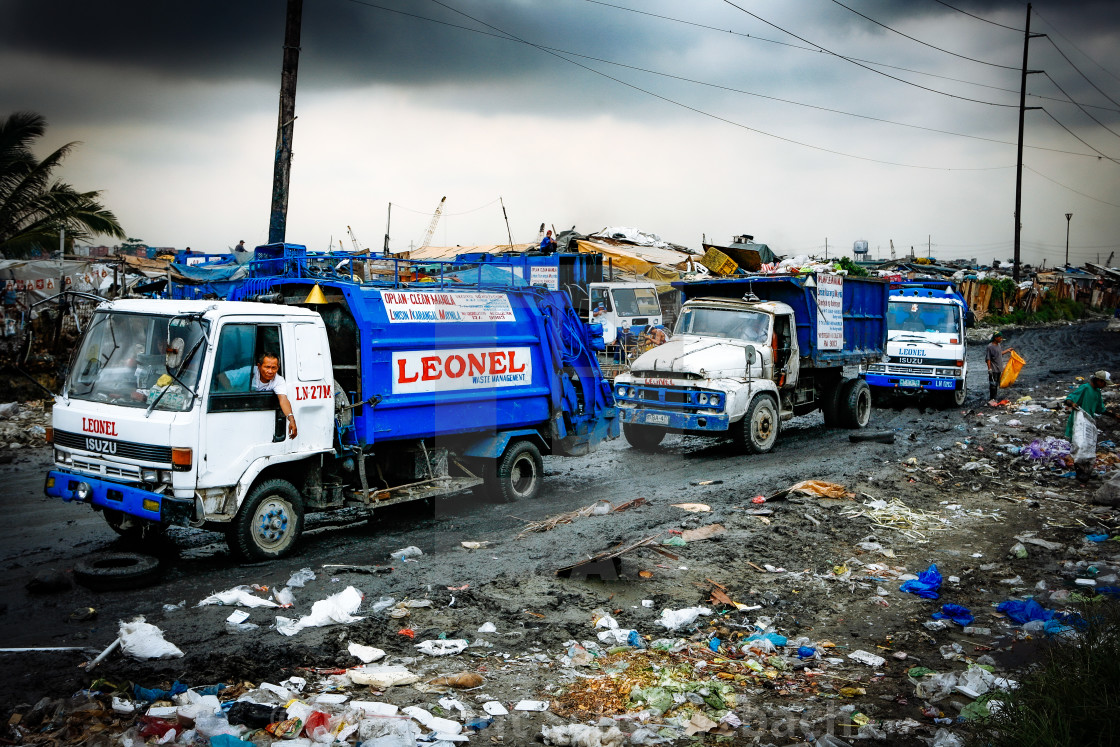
[
  {"x": 238, "y": 596},
  {"x": 927, "y": 585},
  {"x": 300, "y": 577},
  {"x": 1055, "y": 623},
  {"x": 1051, "y": 450},
  {"x": 673, "y": 619},
  {"x": 582, "y": 735},
  {"x": 335, "y": 609},
  {"x": 960, "y": 615},
  {"x": 142, "y": 640},
  {"x": 442, "y": 647}
]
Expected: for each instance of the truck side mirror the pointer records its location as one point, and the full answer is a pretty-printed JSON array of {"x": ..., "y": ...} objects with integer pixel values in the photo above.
[
  {"x": 969, "y": 319},
  {"x": 174, "y": 355},
  {"x": 748, "y": 352}
]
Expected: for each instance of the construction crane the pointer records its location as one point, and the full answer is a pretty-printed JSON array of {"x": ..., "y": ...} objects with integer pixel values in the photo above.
[
  {"x": 432, "y": 226},
  {"x": 353, "y": 239}
]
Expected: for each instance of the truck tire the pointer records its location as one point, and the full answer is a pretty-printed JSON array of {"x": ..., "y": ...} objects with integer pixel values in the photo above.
[
  {"x": 830, "y": 404},
  {"x": 952, "y": 399},
  {"x": 855, "y": 403},
  {"x": 269, "y": 522},
  {"x": 520, "y": 471},
  {"x": 757, "y": 432},
  {"x": 643, "y": 437},
  {"x": 116, "y": 571}
]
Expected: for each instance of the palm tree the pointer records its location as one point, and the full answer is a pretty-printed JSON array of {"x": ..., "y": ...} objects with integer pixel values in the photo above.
[{"x": 34, "y": 206}]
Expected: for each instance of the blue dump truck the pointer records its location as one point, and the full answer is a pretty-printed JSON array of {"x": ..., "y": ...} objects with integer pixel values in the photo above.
[
  {"x": 926, "y": 322},
  {"x": 398, "y": 390},
  {"x": 750, "y": 353}
]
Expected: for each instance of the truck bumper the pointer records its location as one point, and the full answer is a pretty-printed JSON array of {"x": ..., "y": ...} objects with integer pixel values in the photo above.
[
  {"x": 128, "y": 499},
  {"x": 704, "y": 423},
  {"x": 892, "y": 381}
]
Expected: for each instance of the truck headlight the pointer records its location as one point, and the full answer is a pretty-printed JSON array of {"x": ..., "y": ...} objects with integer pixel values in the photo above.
[
  {"x": 702, "y": 399},
  {"x": 62, "y": 457},
  {"x": 149, "y": 475},
  {"x": 622, "y": 391},
  {"x": 84, "y": 491},
  {"x": 632, "y": 392},
  {"x": 714, "y": 399}
]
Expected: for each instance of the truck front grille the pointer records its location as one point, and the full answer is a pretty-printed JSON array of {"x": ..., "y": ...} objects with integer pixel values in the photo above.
[
  {"x": 107, "y": 469},
  {"x": 119, "y": 449}
]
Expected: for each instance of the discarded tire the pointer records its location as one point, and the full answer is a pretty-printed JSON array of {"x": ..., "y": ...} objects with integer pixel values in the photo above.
[
  {"x": 882, "y": 437},
  {"x": 114, "y": 571}
]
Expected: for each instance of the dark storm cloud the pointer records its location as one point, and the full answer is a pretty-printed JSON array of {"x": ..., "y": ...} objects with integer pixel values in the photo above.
[{"x": 345, "y": 42}]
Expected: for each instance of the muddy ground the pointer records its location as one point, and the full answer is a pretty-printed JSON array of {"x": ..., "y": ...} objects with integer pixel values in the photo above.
[{"x": 512, "y": 582}]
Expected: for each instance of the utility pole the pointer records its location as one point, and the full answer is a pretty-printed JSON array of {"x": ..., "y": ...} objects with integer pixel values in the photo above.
[
  {"x": 929, "y": 246},
  {"x": 504, "y": 215},
  {"x": 1027, "y": 36},
  {"x": 1068, "y": 216},
  {"x": 388, "y": 220},
  {"x": 286, "y": 124},
  {"x": 826, "y": 248}
]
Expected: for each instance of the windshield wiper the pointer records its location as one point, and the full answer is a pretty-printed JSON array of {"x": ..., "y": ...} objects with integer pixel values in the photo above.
[
  {"x": 175, "y": 375},
  {"x": 915, "y": 337}
]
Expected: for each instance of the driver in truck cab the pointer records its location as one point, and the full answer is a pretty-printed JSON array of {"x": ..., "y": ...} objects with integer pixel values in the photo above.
[{"x": 265, "y": 377}]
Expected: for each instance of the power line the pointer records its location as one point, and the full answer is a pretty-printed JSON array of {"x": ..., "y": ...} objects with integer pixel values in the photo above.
[
  {"x": 1087, "y": 114},
  {"x": 978, "y": 18},
  {"x": 1083, "y": 75},
  {"x": 1071, "y": 189},
  {"x": 701, "y": 111},
  {"x": 1072, "y": 44},
  {"x": 865, "y": 67},
  {"x": 1071, "y": 132},
  {"x": 818, "y": 50},
  {"x": 919, "y": 41}
]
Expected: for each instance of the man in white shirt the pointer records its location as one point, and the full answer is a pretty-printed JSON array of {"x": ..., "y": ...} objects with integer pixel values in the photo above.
[{"x": 265, "y": 378}]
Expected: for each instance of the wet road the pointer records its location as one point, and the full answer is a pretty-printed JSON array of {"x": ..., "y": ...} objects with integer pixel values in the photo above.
[{"x": 40, "y": 533}]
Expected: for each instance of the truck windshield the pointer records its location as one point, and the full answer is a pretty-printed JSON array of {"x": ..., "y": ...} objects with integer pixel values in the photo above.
[
  {"x": 751, "y": 326},
  {"x": 636, "y": 302},
  {"x": 915, "y": 316},
  {"x": 121, "y": 361}
]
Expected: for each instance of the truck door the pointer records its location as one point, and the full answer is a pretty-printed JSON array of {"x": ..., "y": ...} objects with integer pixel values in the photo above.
[
  {"x": 311, "y": 390},
  {"x": 241, "y": 424},
  {"x": 786, "y": 354}
]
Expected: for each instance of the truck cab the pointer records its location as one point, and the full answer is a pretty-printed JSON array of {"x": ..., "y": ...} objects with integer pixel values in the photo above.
[
  {"x": 616, "y": 304},
  {"x": 925, "y": 344},
  {"x": 158, "y": 422}
]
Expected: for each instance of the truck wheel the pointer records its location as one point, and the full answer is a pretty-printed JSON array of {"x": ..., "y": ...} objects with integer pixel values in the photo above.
[
  {"x": 115, "y": 571},
  {"x": 758, "y": 430},
  {"x": 955, "y": 398},
  {"x": 830, "y": 404},
  {"x": 643, "y": 437},
  {"x": 519, "y": 472},
  {"x": 269, "y": 522},
  {"x": 855, "y": 402}
]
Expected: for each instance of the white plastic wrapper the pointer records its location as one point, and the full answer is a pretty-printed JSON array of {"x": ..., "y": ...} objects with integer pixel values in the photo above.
[
  {"x": 381, "y": 676},
  {"x": 142, "y": 640},
  {"x": 673, "y": 619},
  {"x": 442, "y": 647},
  {"x": 366, "y": 653},
  {"x": 434, "y": 723},
  {"x": 238, "y": 596},
  {"x": 336, "y": 609},
  {"x": 301, "y": 577}
]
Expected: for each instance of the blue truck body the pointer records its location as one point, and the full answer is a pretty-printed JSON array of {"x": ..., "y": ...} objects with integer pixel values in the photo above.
[{"x": 864, "y": 312}]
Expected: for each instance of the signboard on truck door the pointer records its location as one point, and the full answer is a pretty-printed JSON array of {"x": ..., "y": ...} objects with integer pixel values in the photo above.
[{"x": 830, "y": 311}]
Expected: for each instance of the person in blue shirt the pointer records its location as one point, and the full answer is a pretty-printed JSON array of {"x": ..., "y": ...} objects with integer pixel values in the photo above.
[{"x": 548, "y": 244}]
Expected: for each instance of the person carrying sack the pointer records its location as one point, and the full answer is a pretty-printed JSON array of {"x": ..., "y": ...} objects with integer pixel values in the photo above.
[
  {"x": 994, "y": 359},
  {"x": 1085, "y": 404}
]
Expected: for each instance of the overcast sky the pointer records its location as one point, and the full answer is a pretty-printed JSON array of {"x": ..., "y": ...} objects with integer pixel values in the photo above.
[{"x": 796, "y": 121}]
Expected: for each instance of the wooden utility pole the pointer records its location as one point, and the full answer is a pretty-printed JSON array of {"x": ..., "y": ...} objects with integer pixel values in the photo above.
[
  {"x": 286, "y": 124},
  {"x": 1027, "y": 36}
]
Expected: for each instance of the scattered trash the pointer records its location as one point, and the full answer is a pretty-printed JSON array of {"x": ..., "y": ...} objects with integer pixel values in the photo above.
[
  {"x": 460, "y": 681},
  {"x": 599, "y": 508},
  {"x": 531, "y": 705},
  {"x": 476, "y": 545},
  {"x": 696, "y": 508},
  {"x": 367, "y": 654},
  {"x": 494, "y": 708},
  {"x": 703, "y": 533},
  {"x": 406, "y": 552},
  {"x": 238, "y": 596},
  {"x": 912, "y": 523},
  {"x": 442, "y": 647},
  {"x": 960, "y": 615},
  {"x": 381, "y": 677},
  {"x": 142, "y": 640},
  {"x": 336, "y": 609},
  {"x": 673, "y": 619},
  {"x": 868, "y": 658},
  {"x": 582, "y": 735},
  {"x": 487, "y": 627},
  {"x": 300, "y": 577},
  {"x": 926, "y": 585}
]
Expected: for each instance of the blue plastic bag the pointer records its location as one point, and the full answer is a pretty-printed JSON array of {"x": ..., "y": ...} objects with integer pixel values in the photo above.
[
  {"x": 960, "y": 615},
  {"x": 152, "y": 694},
  {"x": 806, "y": 652},
  {"x": 926, "y": 585},
  {"x": 1024, "y": 612},
  {"x": 776, "y": 639}
]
